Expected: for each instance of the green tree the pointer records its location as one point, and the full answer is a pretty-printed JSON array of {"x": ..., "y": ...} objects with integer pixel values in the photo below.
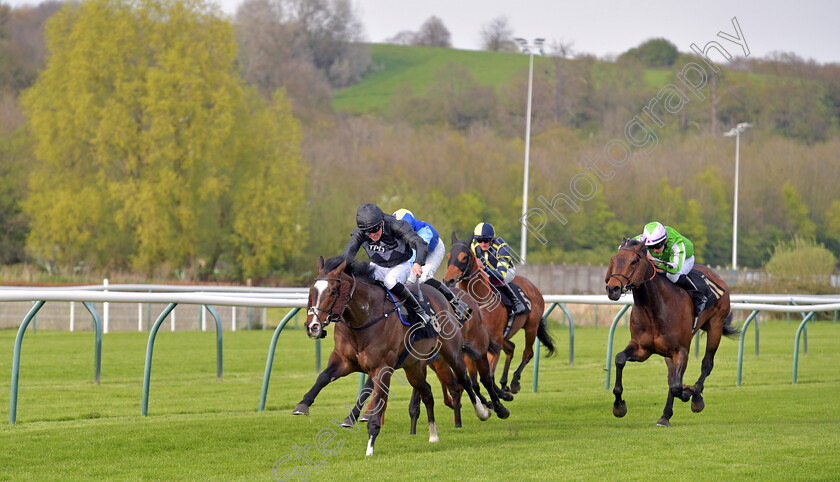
[
  {"x": 716, "y": 216},
  {"x": 797, "y": 221},
  {"x": 657, "y": 52},
  {"x": 146, "y": 140}
]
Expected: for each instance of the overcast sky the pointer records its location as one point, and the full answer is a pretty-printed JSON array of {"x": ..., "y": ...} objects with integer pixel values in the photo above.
[{"x": 807, "y": 27}]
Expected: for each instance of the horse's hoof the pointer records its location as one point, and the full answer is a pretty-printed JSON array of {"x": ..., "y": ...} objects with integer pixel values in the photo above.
[
  {"x": 506, "y": 396},
  {"x": 663, "y": 422},
  {"x": 697, "y": 406},
  {"x": 620, "y": 409},
  {"x": 364, "y": 417},
  {"x": 301, "y": 409},
  {"x": 502, "y": 412},
  {"x": 515, "y": 387}
]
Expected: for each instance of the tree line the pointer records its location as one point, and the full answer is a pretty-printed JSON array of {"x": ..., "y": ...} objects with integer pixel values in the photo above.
[{"x": 163, "y": 137}]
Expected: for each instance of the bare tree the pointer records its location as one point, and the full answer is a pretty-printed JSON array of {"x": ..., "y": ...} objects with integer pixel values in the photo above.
[
  {"x": 561, "y": 49},
  {"x": 433, "y": 33},
  {"x": 404, "y": 37},
  {"x": 497, "y": 36}
]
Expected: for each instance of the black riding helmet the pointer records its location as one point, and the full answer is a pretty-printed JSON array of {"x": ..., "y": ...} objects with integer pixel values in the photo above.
[{"x": 368, "y": 215}]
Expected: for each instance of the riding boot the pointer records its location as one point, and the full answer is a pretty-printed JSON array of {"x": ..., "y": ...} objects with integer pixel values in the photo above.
[
  {"x": 462, "y": 311},
  {"x": 518, "y": 307},
  {"x": 410, "y": 301},
  {"x": 697, "y": 297}
]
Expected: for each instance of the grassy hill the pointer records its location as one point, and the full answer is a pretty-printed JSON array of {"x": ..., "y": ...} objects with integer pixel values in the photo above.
[{"x": 395, "y": 65}]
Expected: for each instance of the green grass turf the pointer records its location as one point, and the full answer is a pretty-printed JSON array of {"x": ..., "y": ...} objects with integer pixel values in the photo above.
[{"x": 200, "y": 428}]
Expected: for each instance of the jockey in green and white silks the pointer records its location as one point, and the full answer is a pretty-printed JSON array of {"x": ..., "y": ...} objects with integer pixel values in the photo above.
[
  {"x": 670, "y": 251},
  {"x": 674, "y": 253}
]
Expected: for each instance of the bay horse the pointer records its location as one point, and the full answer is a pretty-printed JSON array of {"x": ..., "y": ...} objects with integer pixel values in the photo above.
[
  {"x": 475, "y": 333},
  {"x": 463, "y": 270},
  {"x": 370, "y": 338},
  {"x": 662, "y": 322}
]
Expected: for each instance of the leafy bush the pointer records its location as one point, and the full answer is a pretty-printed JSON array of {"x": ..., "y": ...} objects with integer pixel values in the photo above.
[{"x": 800, "y": 265}]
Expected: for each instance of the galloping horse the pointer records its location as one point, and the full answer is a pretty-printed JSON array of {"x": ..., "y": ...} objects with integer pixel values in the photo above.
[
  {"x": 662, "y": 322},
  {"x": 475, "y": 333},
  {"x": 463, "y": 269},
  {"x": 374, "y": 341}
]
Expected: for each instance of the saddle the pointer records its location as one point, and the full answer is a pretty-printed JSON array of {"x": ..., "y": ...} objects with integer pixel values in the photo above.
[
  {"x": 508, "y": 303},
  {"x": 408, "y": 317}
]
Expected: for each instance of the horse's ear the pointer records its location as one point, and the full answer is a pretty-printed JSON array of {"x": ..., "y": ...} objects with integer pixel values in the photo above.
[
  {"x": 341, "y": 267},
  {"x": 320, "y": 263},
  {"x": 454, "y": 238}
]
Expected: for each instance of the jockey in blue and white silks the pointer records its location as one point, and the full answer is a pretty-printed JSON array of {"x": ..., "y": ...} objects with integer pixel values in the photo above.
[{"x": 437, "y": 251}]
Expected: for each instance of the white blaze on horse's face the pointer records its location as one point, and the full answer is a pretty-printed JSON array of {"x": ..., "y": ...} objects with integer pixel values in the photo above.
[
  {"x": 314, "y": 326},
  {"x": 320, "y": 288}
]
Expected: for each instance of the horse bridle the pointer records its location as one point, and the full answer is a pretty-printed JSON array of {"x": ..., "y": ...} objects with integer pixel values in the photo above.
[
  {"x": 465, "y": 273},
  {"x": 630, "y": 285},
  {"x": 331, "y": 315}
]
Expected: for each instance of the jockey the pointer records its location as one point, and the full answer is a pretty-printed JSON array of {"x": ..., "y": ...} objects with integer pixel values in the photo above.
[
  {"x": 389, "y": 243},
  {"x": 672, "y": 252},
  {"x": 493, "y": 255},
  {"x": 437, "y": 251}
]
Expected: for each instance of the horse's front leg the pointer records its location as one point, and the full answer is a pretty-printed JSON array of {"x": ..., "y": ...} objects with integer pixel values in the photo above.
[
  {"x": 336, "y": 368},
  {"x": 633, "y": 352},
  {"x": 490, "y": 384},
  {"x": 354, "y": 415}
]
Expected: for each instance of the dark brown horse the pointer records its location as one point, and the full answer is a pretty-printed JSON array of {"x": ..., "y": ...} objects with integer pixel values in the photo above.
[
  {"x": 475, "y": 333},
  {"x": 463, "y": 269},
  {"x": 662, "y": 322},
  {"x": 366, "y": 340}
]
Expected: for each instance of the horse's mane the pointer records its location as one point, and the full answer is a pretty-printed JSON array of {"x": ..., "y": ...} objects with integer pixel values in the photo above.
[{"x": 362, "y": 270}]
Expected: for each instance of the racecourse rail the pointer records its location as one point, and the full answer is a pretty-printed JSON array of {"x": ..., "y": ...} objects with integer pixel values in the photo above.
[{"x": 296, "y": 298}]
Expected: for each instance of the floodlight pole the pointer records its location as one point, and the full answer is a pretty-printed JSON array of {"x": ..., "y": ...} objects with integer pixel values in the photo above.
[
  {"x": 527, "y": 49},
  {"x": 736, "y": 131}
]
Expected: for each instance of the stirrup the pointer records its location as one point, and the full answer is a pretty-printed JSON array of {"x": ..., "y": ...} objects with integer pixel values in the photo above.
[
  {"x": 462, "y": 311},
  {"x": 425, "y": 319}
]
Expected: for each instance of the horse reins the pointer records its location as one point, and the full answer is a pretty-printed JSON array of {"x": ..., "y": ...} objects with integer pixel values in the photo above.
[
  {"x": 465, "y": 273},
  {"x": 629, "y": 286},
  {"x": 331, "y": 315}
]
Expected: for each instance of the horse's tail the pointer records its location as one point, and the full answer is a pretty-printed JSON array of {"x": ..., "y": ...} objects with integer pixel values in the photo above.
[
  {"x": 545, "y": 338},
  {"x": 728, "y": 329},
  {"x": 494, "y": 348},
  {"x": 470, "y": 351}
]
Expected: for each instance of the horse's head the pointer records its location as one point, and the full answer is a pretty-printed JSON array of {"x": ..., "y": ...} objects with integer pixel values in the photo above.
[
  {"x": 629, "y": 268},
  {"x": 461, "y": 262},
  {"x": 328, "y": 297}
]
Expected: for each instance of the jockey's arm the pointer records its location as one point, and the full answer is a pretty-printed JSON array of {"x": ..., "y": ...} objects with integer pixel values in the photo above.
[
  {"x": 353, "y": 245},
  {"x": 677, "y": 258},
  {"x": 418, "y": 244}
]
